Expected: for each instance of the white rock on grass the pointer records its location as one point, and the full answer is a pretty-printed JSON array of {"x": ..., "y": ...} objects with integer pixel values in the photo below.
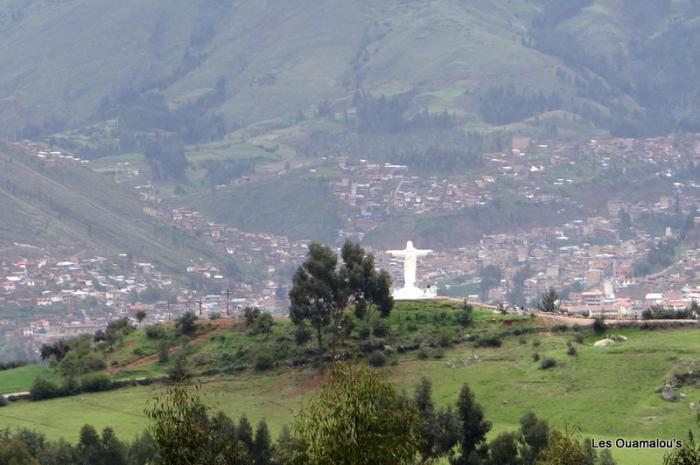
[{"x": 603, "y": 343}]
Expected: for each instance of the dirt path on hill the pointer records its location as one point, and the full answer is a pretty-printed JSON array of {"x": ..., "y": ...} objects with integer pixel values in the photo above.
[
  {"x": 547, "y": 319},
  {"x": 551, "y": 320},
  {"x": 219, "y": 326}
]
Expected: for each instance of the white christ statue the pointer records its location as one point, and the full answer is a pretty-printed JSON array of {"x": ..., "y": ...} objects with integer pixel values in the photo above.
[{"x": 409, "y": 291}]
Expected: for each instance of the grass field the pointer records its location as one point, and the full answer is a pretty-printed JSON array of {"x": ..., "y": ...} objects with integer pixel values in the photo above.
[
  {"x": 603, "y": 392},
  {"x": 20, "y": 379}
]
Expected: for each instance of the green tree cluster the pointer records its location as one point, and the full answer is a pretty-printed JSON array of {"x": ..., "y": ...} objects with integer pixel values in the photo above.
[
  {"x": 322, "y": 291},
  {"x": 187, "y": 434}
]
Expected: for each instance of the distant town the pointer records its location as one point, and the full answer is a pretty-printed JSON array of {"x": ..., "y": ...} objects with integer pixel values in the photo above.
[{"x": 604, "y": 258}]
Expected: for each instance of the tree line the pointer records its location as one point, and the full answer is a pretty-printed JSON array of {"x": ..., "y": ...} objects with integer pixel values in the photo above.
[{"x": 443, "y": 151}]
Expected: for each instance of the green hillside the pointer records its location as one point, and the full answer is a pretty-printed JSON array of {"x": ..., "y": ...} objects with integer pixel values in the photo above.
[
  {"x": 298, "y": 206},
  {"x": 606, "y": 392},
  {"x": 234, "y": 64},
  {"x": 71, "y": 208}
]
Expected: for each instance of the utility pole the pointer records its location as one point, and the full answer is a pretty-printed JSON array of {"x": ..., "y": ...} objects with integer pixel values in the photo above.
[
  {"x": 200, "y": 306},
  {"x": 228, "y": 297}
]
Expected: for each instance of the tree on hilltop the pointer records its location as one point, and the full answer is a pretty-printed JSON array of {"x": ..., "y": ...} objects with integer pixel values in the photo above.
[
  {"x": 370, "y": 289},
  {"x": 321, "y": 291},
  {"x": 317, "y": 293},
  {"x": 187, "y": 323}
]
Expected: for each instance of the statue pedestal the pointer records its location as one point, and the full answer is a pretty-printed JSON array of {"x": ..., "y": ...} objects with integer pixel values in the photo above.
[{"x": 414, "y": 293}]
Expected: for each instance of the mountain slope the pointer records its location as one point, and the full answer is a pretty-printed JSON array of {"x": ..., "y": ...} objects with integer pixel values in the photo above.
[
  {"x": 64, "y": 58},
  {"x": 300, "y": 207},
  {"x": 614, "y": 63},
  {"x": 71, "y": 208}
]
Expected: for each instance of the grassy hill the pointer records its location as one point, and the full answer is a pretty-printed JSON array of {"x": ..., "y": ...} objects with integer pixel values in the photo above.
[
  {"x": 69, "y": 207},
  {"x": 606, "y": 392}
]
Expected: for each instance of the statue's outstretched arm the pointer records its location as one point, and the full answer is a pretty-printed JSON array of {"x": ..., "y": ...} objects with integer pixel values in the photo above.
[{"x": 396, "y": 253}]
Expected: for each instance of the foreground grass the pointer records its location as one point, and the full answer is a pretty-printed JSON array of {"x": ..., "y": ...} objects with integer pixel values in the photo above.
[{"x": 602, "y": 392}]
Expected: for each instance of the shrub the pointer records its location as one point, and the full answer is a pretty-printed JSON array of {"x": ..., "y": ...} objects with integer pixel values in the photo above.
[
  {"x": 187, "y": 323},
  {"x": 466, "y": 317},
  {"x": 210, "y": 372},
  {"x": 536, "y": 343},
  {"x": 445, "y": 340},
  {"x": 156, "y": 331},
  {"x": 548, "y": 363},
  {"x": 13, "y": 364},
  {"x": 560, "y": 328},
  {"x": 302, "y": 335},
  {"x": 578, "y": 338},
  {"x": 371, "y": 346},
  {"x": 423, "y": 354},
  {"x": 3, "y": 401},
  {"x": 138, "y": 351},
  {"x": 571, "y": 350},
  {"x": 96, "y": 383},
  {"x": 599, "y": 326},
  {"x": 44, "y": 389},
  {"x": 438, "y": 354},
  {"x": 179, "y": 371},
  {"x": 163, "y": 352},
  {"x": 406, "y": 347},
  {"x": 146, "y": 381},
  {"x": 522, "y": 340},
  {"x": 363, "y": 333},
  {"x": 201, "y": 359},
  {"x": 381, "y": 328},
  {"x": 215, "y": 316},
  {"x": 95, "y": 363},
  {"x": 251, "y": 314},
  {"x": 348, "y": 325},
  {"x": 377, "y": 359},
  {"x": 69, "y": 387},
  {"x": 263, "y": 361},
  {"x": 521, "y": 330},
  {"x": 412, "y": 327},
  {"x": 536, "y": 357},
  {"x": 263, "y": 324},
  {"x": 488, "y": 340}
]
